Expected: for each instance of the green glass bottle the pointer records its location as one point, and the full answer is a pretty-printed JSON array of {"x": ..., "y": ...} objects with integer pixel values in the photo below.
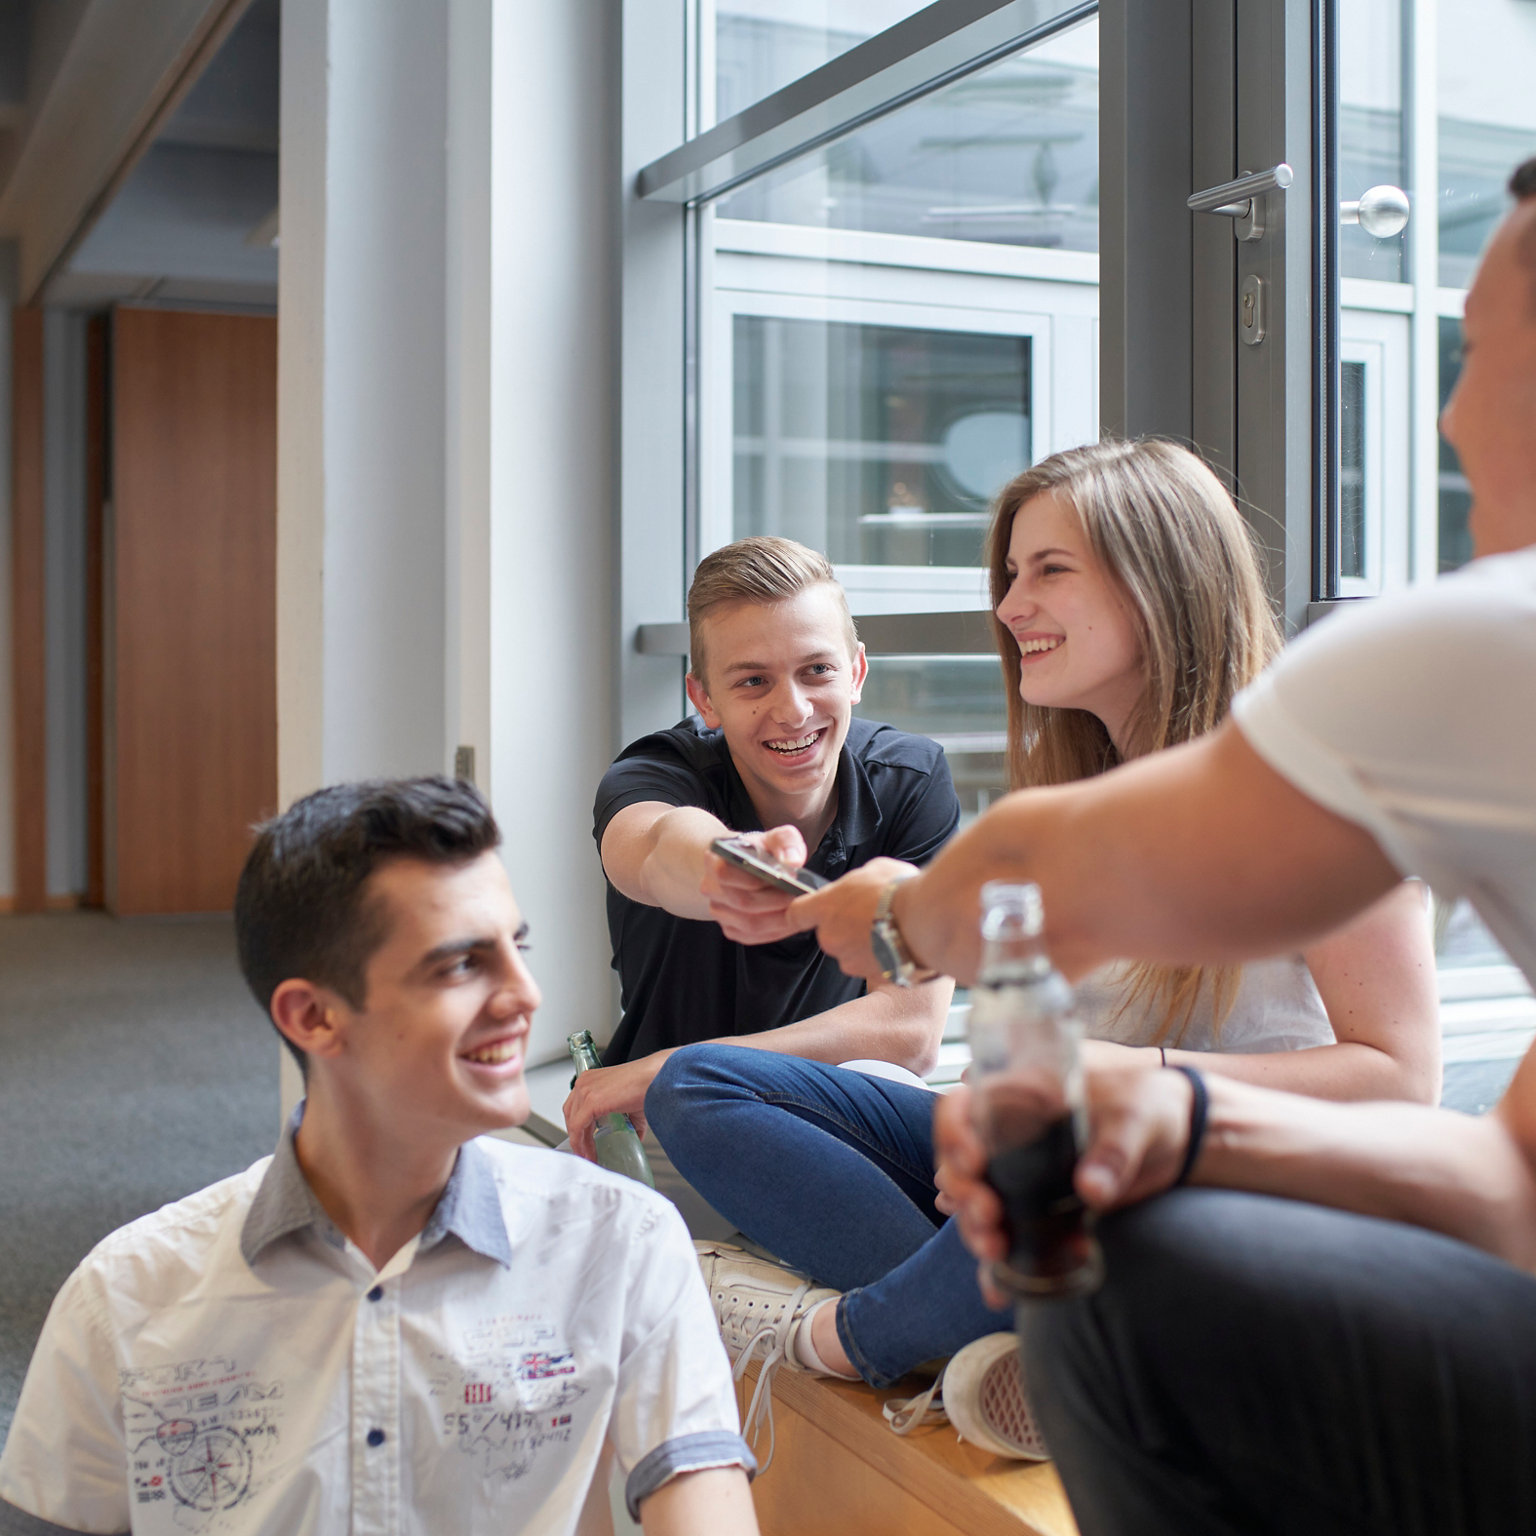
[{"x": 614, "y": 1137}]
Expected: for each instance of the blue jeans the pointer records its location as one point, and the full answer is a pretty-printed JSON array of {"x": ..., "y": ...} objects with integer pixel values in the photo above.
[
  {"x": 1259, "y": 1365},
  {"x": 832, "y": 1171}
]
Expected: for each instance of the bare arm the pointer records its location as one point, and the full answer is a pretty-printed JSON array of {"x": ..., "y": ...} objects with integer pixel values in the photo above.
[
  {"x": 656, "y": 854},
  {"x": 1468, "y": 1177},
  {"x": 659, "y": 855},
  {"x": 1376, "y": 978},
  {"x": 715, "y": 1502},
  {"x": 897, "y": 1024},
  {"x": 651, "y": 852},
  {"x": 1199, "y": 853}
]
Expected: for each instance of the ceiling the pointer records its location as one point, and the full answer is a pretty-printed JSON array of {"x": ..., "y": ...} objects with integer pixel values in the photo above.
[{"x": 139, "y": 150}]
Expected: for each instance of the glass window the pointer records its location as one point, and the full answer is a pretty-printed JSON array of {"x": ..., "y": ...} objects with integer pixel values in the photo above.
[
  {"x": 1455, "y": 501},
  {"x": 1375, "y": 508},
  {"x": 1352, "y": 529},
  {"x": 894, "y": 326},
  {"x": 958, "y": 701},
  {"x": 879, "y": 445},
  {"x": 1009, "y": 155},
  {"x": 1370, "y": 128},
  {"x": 1487, "y": 121},
  {"x": 1475, "y": 119},
  {"x": 888, "y": 326},
  {"x": 763, "y": 45}
]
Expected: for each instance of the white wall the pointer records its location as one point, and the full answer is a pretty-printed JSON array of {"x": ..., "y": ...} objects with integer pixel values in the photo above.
[
  {"x": 360, "y": 417},
  {"x": 447, "y": 352},
  {"x": 554, "y": 399}
]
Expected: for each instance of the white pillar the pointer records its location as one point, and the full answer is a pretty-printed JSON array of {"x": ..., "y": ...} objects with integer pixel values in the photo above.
[
  {"x": 361, "y": 296},
  {"x": 448, "y": 344}
]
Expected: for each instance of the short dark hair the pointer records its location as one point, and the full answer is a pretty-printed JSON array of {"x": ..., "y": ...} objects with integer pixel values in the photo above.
[{"x": 302, "y": 907}]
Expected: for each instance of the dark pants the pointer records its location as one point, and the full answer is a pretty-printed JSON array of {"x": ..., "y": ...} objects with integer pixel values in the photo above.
[{"x": 1258, "y": 1365}]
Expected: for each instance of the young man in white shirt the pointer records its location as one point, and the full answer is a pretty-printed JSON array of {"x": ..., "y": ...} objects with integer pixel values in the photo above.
[
  {"x": 1255, "y": 1361},
  {"x": 390, "y": 1325}
]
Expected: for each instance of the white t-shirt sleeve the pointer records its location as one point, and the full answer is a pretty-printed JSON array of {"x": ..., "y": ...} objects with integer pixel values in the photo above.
[
  {"x": 675, "y": 1404},
  {"x": 65, "y": 1459},
  {"x": 1416, "y": 719}
]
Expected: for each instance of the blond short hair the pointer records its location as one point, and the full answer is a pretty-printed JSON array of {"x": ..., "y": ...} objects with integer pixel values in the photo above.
[{"x": 762, "y": 569}]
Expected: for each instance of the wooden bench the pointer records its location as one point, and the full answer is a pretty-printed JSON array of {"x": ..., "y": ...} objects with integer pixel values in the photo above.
[{"x": 838, "y": 1470}]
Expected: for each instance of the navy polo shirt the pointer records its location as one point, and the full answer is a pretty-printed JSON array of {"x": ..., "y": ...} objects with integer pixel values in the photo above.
[{"x": 681, "y": 980}]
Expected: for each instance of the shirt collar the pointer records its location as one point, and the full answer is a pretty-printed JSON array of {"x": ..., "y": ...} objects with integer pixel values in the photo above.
[
  {"x": 469, "y": 1208},
  {"x": 858, "y": 810}
]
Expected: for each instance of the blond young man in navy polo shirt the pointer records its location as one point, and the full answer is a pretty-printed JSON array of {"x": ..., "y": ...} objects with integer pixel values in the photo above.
[{"x": 703, "y": 950}]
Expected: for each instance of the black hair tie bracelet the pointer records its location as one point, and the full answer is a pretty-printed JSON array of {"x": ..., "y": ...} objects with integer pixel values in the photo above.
[{"x": 1198, "y": 1108}]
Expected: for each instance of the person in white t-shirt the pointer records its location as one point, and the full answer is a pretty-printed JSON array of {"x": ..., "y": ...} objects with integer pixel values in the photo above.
[
  {"x": 1340, "y": 1336},
  {"x": 394, "y": 1323}
]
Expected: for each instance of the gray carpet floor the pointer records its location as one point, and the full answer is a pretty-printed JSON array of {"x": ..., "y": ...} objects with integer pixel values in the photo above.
[{"x": 134, "y": 1069}]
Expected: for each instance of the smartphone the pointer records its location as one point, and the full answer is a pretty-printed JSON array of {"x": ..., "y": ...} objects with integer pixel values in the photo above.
[{"x": 798, "y": 882}]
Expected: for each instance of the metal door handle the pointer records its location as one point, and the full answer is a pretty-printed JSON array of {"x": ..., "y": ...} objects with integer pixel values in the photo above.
[
  {"x": 1379, "y": 211},
  {"x": 1239, "y": 200}
]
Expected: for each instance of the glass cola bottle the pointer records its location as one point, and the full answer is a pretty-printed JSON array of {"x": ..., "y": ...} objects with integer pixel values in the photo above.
[
  {"x": 613, "y": 1137},
  {"x": 1028, "y": 1093}
]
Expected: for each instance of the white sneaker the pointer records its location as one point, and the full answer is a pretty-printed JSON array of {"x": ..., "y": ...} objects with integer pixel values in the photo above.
[
  {"x": 757, "y": 1303},
  {"x": 985, "y": 1399},
  {"x": 754, "y": 1298}
]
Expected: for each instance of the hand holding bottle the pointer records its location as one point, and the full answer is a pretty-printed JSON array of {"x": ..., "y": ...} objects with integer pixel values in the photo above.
[
  {"x": 1138, "y": 1134},
  {"x": 615, "y": 1143}
]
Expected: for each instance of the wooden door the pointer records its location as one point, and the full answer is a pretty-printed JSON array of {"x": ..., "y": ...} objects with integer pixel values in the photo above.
[{"x": 191, "y": 654}]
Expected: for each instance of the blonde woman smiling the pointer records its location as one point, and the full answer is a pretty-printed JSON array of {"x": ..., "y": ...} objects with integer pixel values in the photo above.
[{"x": 1129, "y": 609}]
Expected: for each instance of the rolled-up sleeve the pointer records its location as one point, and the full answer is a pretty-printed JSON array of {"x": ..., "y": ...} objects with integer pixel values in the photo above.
[
  {"x": 65, "y": 1464},
  {"x": 675, "y": 1405}
]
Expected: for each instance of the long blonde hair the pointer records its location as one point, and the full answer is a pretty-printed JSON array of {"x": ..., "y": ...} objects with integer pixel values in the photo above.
[{"x": 1169, "y": 537}]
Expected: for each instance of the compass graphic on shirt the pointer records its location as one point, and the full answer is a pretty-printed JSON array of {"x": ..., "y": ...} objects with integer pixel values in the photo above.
[{"x": 209, "y": 1468}]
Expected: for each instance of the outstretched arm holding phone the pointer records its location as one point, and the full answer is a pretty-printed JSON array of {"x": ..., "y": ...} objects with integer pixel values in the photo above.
[
  {"x": 704, "y": 951},
  {"x": 661, "y": 856}
]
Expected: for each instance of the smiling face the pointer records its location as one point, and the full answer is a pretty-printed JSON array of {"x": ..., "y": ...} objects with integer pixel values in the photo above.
[
  {"x": 781, "y": 684},
  {"x": 437, "y": 1048},
  {"x": 1076, "y": 633},
  {"x": 1489, "y": 417}
]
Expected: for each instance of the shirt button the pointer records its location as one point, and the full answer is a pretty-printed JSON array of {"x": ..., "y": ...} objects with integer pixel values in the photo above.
[
  {"x": 375, "y": 1437},
  {"x": 376, "y": 1294}
]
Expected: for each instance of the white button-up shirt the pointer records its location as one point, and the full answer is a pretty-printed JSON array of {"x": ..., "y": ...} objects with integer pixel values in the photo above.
[{"x": 233, "y": 1364}]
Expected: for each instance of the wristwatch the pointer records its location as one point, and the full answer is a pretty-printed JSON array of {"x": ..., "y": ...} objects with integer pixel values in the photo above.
[{"x": 890, "y": 949}]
